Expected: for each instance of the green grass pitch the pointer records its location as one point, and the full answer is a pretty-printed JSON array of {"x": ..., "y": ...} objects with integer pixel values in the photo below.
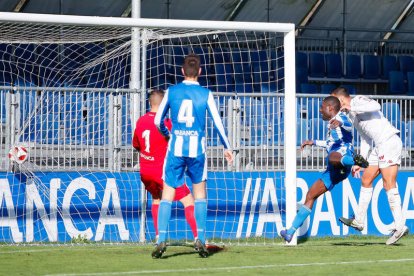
[{"x": 354, "y": 255}]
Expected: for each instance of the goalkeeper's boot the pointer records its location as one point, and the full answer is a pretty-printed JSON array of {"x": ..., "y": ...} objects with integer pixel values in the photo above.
[
  {"x": 201, "y": 248},
  {"x": 396, "y": 235},
  {"x": 351, "y": 222},
  {"x": 360, "y": 161},
  {"x": 286, "y": 236},
  {"x": 159, "y": 250}
]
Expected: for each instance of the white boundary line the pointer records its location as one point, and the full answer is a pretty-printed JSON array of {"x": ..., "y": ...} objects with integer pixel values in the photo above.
[{"x": 233, "y": 268}]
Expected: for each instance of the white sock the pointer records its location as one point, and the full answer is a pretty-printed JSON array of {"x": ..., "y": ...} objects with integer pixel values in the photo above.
[
  {"x": 365, "y": 196},
  {"x": 394, "y": 200}
]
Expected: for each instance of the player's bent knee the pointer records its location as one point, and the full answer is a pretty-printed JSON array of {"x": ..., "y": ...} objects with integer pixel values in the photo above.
[
  {"x": 335, "y": 159},
  {"x": 366, "y": 183}
]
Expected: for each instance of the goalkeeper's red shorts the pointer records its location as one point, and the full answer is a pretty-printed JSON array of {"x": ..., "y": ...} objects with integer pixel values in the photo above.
[{"x": 153, "y": 185}]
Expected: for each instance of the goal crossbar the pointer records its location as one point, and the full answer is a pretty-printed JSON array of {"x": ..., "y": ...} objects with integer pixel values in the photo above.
[{"x": 142, "y": 22}]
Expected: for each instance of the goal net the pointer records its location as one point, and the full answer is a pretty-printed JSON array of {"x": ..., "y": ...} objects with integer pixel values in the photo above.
[{"x": 70, "y": 95}]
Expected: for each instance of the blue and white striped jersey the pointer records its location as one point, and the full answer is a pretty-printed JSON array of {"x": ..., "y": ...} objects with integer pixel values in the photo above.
[
  {"x": 188, "y": 103},
  {"x": 340, "y": 137}
]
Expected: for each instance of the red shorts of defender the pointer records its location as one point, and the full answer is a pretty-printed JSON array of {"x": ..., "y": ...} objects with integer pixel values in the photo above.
[{"x": 154, "y": 184}]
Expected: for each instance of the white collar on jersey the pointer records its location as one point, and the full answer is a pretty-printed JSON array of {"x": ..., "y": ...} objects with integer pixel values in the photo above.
[{"x": 190, "y": 82}]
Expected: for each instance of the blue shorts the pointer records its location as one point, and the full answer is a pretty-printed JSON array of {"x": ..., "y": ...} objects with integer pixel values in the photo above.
[
  {"x": 333, "y": 176},
  {"x": 175, "y": 167}
]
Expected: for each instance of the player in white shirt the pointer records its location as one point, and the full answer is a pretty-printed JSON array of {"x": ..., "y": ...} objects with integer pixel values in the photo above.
[{"x": 381, "y": 146}]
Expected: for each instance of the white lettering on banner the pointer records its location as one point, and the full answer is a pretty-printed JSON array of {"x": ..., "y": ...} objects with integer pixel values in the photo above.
[
  {"x": 325, "y": 216},
  {"x": 348, "y": 197},
  {"x": 264, "y": 216},
  {"x": 11, "y": 219},
  {"x": 269, "y": 192},
  {"x": 301, "y": 184},
  {"x": 349, "y": 202},
  {"x": 111, "y": 191},
  {"x": 49, "y": 221},
  {"x": 382, "y": 228},
  {"x": 76, "y": 184},
  {"x": 253, "y": 207},
  {"x": 408, "y": 197},
  {"x": 243, "y": 208}
]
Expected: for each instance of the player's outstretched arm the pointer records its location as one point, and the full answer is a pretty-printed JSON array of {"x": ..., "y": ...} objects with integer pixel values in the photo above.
[
  {"x": 321, "y": 143},
  {"x": 306, "y": 143}
]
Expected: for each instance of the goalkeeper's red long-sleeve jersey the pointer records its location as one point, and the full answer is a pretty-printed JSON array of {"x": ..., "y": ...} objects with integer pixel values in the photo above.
[{"x": 151, "y": 144}]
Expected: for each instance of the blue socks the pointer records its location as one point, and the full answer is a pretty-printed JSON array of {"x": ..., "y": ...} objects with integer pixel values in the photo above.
[
  {"x": 200, "y": 212},
  {"x": 300, "y": 217},
  {"x": 347, "y": 161},
  {"x": 164, "y": 214}
]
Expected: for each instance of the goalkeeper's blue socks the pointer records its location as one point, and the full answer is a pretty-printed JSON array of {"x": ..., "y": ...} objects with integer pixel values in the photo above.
[
  {"x": 200, "y": 212},
  {"x": 347, "y": 161},
  {"x": 300, "y": 217},
  {"x": 164, "y": 214}
]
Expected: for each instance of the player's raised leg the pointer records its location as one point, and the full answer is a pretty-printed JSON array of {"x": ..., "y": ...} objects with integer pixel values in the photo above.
[
  {"x": 318, "y": 188},
  {"x": 338, "y": 160}
]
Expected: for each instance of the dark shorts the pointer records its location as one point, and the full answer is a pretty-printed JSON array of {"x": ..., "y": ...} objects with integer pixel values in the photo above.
[{"x": 333, "y": 176}]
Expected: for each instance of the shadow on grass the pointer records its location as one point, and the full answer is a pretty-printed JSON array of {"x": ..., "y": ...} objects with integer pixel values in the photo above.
[
  {"x": 352, "y": 240},
  {"x": 302, "y": 240},
  {"x": 177, "y": 254},
  {"x": 212, "y": 250}
]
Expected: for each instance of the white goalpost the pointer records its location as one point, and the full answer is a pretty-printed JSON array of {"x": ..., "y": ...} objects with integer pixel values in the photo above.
[{"x": 68, "y": 96}]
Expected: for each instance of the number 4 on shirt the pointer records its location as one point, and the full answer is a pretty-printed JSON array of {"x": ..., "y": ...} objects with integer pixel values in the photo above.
[{"x": 185, "y": 114}]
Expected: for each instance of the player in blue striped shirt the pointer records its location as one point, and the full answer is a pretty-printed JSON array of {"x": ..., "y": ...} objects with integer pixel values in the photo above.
[
  {"x": 188, "y": 103},
  {"x": 340, "y": 160}
]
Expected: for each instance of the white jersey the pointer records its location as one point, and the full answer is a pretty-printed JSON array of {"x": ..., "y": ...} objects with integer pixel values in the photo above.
[{"x": 370, "y": 123}]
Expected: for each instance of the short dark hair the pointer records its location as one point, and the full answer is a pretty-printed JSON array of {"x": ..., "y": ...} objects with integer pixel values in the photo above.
[
  {"x": 340, "y": 91},
  {"x": 191, "y": 65},
  {"x": 334, "y": 102}
]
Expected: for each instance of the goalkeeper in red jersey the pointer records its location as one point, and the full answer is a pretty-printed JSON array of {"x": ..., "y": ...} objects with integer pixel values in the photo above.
[{"x": 152, "y": 147}]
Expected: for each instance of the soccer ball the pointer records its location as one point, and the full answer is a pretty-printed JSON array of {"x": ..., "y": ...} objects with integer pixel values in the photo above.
[{"x": 18, "y": 154}]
